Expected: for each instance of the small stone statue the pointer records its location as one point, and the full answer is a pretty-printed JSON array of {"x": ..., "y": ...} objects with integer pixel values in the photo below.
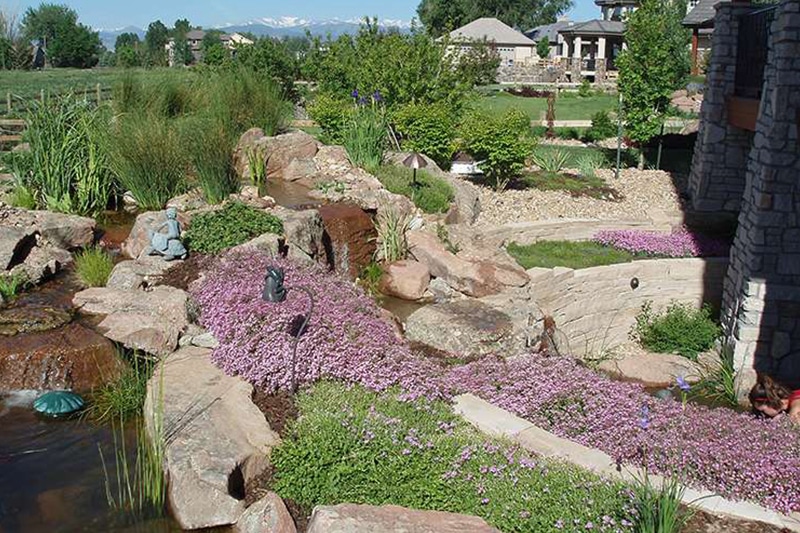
[
  {"x": 274, "y": 290},
  {"x": 168, "y": 245}
]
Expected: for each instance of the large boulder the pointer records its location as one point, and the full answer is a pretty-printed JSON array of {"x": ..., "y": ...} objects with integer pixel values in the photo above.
[
  {"x": 15, "y": 245},
  {"x": 139, "y": 238},
  {"x": 139, "y": 273},
  {"x": 63, "y": 231},
  {"x": 350, "y": 518},
  {"x": 465, "y": 328},
  {"x": 43, "y": 262},
  {"x": 475, "y": 278},
  {"x": 218, "y": 439},
  {"x": 304, "y": 233},
  {"x": 150, "y": 321},
  {"x": 407, "y": 280},
  {"x": 247, "y": 144},
  {"x": 280, "y": 151},
  {"x": 267, "y": 515},
  {"x": 349, "y": 238},
  {"x": 72, "y": 357}
]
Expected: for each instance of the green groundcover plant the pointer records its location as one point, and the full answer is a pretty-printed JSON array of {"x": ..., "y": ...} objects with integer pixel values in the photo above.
[
  {"x": 354, "y": 445},
  {"x": 430, "y": 193},
  {"x": 680, "y": 329},
  {"x": 234, "y": 224}
]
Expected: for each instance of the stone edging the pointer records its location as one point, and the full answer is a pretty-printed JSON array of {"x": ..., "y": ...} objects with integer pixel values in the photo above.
[{"x": 498, "y": 422}]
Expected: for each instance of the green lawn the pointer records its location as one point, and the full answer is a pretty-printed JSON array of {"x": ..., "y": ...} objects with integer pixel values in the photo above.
[
  {"x": 567, "y": 107},
  {"x": 672, "y": 159},
  {"x": 551, "y": 254}
]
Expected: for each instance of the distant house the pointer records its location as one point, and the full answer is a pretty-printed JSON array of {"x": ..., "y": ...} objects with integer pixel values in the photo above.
[
  {"x": 700, "y": 20},
  {"x": 552, "y": 33},
  {"x": 513, "y": 47},
  {"x": 194, "y": 39}
]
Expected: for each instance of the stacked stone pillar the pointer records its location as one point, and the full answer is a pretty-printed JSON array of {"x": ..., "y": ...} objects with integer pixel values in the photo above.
[
  {"x": 717, "y": 179},
  {"x": 761, "y": 309}
]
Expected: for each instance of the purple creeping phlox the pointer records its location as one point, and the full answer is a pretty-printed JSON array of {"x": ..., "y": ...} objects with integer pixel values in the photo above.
[
  {"x": 740, "y": 457},
  {"x": 682, "y": 242},
  {"x": 346, "y": 338}
]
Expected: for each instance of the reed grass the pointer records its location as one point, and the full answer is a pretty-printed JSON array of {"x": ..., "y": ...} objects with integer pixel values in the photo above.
[
  {"x": 94, "y": 266},
  {"x": 211, "y": 152},
  {"x": 658, "y": 508},
  {"x": 365, "y": 138}
]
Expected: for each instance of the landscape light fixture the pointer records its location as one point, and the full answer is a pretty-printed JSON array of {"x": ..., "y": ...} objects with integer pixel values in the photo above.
[
  {"x": 415, "y": 161},
  {"x": 275, "y": 292}
]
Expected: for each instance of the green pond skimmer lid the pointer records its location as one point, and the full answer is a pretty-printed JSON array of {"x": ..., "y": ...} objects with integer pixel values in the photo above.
[{"x": 58, "y": 403}]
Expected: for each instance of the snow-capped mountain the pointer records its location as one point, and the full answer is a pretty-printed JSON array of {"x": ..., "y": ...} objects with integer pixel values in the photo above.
[{"x": 275, "y": 27}]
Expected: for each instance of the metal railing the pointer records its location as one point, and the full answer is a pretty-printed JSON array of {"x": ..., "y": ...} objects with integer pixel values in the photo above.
[{"x": 752, "y": 50}]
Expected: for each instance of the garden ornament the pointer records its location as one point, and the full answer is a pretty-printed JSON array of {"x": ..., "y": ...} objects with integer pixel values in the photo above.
[
  {"x": 275, "y": 292},
  {"x": 415, "y": 161},
  {"x": 58, "y": 403},
  {"x": 167, "y": 245}
]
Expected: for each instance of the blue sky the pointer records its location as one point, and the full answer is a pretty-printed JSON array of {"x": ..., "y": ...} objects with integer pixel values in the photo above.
[{"x": 116, "y": 13}]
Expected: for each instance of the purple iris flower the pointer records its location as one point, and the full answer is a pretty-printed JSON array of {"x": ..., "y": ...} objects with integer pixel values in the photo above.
[
  {"x": 377, "y": 96},
  {"x": 354, "y": 94},
  {"x": 682, "y": 384}
]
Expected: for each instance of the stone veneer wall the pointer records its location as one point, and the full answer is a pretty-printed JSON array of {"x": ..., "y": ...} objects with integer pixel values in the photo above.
[
  {"x": 717, "y": 179},
  {"x": 530, "y": 74},
  {"x": 762, "y": 292},
  {"x": 594, "y": 308}
]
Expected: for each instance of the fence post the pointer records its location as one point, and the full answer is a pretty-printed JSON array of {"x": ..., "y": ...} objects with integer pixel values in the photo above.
[
  {"x": 8, "y": 101},
  {"x": 99, "y": 95}
]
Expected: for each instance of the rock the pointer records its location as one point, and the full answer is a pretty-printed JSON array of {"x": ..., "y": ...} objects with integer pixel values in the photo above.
[
  {"x": 349, "y": 238},
  {"x": 651, "y": 369},
  {"x": 464, "y": 328},
  {"x": 62, "y": 231},
  {"x": 693, "y": 126},
  {"x": 247, "y": 143},
  {"x": 150, "y": 321},
  {"x": 15, "y": 245},
  {"x": 32, "y": 319},
  {"x": 191, "y": 201},
  {"x": 219, "y": 440},
  {"x": 442, "y": 292},
  {"x": 72, "y": 357},
  {"x": 332, "y": 161},
  {"x": 205, "y": 340},
  {"x": 139, "y": 238},
  {"x": 300, "y": 169},
  {"x": 304, "y": 232},
  {"x": 269, "y": 243},
  {"x": 407, "y": 280},
  {"x": 473, "y": 278},
  {"x": 44, "y": 261},
  {"x": 267, "y": 515},
  {"x": 139, "y": 273},
  {"x": 350, "y": 518},
  {"x": 280, "y": 151}
]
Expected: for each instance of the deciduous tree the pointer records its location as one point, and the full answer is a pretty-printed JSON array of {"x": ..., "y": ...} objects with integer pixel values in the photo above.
[
  {"x": 69, "y": 43},
  {"x": 156, "y": 40},
  {"x": 441, "y": 16}
]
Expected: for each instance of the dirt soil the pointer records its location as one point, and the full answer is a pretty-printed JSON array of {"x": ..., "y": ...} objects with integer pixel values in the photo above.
[
  {"x": 187, "y": 272},
  {"x": 706, "y": 523}
]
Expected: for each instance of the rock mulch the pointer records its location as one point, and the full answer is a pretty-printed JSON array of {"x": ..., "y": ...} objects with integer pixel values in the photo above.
[{"x": 644, "y": 191}]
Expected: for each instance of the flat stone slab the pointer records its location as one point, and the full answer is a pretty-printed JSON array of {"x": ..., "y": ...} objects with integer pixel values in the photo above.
[
  {"x": 651, "y": 369},
  {"x": 218, "y": 440},
  {"x": 350, "y": 518},
  {"x": 139, "y": 273}
]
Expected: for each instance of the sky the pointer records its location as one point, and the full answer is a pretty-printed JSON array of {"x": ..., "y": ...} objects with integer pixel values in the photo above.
[{"x": 110, "y": 14}]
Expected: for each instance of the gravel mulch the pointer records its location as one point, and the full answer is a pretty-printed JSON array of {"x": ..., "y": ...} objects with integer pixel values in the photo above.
[{"x": 645, "y": 192}]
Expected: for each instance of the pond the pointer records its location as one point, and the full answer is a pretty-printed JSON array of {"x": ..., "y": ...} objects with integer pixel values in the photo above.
[{"x": 52, "y": 477}]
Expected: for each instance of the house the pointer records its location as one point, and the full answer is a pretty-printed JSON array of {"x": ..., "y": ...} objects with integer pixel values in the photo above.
[
  {"x": 513, "y": 47},
  {"x": 700, "y": 20},
  {"x": 746, "y": 164},
  {"x": 194, "y": 39},
  {"x": 552, "y": 33}
]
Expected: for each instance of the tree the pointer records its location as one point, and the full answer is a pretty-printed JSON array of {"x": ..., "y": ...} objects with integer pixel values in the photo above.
[
  {"x": 127, "y": 50},
  {"x": 214, "y": 52},
  {"x": 127, "y": 39},
  {"x": 68, "y": 43},
  {"x": 182, "y": 52},
  {"x": 655, "y": 64},
  {"x": 155, "y": 41},
  {"x": 441, "y": 16},
  {"x": 543, "y": 47},
  {"x": 272, "y": 57}
]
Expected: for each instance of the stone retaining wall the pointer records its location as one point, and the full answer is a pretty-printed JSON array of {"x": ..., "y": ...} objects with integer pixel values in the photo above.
[{"x": 594, "y": 308}]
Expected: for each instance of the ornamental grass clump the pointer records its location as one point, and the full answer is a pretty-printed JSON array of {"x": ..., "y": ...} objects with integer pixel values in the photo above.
[
  {"x": 682, "y": 242},
  {"x": 354, "y": 445},
  {"x": 346, "y": 338},
  {"x": 734, "y": 454}
]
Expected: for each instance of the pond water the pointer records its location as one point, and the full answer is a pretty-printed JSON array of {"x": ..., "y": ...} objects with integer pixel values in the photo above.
[
  {"x": 290, "y": 195},
  {"x": 51, "y": 474}
]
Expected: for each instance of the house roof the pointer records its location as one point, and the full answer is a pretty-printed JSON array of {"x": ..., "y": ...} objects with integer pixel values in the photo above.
[
  {"x": 596, "y": 27},
  {"x": 602, "y": 3},
  {"x": 195, "y": 35},
  {"x": 549, "y": 30},
  {"x": 492, "y": 30},
  {"x": 703, "y": 14}
]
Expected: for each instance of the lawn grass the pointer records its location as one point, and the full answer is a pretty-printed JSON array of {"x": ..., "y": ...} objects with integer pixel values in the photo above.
[
  {"x": 567, "y": 107},
  {"x": 672, "y": 159},
  {"x": 567, "y": 254},
  {"x": 430, "y": 193}
]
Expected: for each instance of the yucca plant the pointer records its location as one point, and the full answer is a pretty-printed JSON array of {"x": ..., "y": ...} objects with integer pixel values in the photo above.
[
  {"x": 550, "y": 160},
  {"x": 392, "y": 227}
]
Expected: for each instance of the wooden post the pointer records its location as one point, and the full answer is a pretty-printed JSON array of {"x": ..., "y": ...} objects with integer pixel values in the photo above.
[
  {"x": 99, "y": 95},
  {"x": 695, "y": 47},
  {"x": 8, "y": 101}
]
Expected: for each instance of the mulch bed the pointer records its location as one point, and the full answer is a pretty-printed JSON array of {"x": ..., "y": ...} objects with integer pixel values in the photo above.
[
  {"x": 185, "y": 273},
  {"x": 280, "y": 410}
]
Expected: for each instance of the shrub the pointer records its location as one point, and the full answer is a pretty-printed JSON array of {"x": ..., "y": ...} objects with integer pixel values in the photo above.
[
  {"x": 346, "y": 337},
  {"x": 550, "y": 160},
  {"x": 66, "y": 169},
  {"x": 680, "y": 329},
  {"x": 149, "y": 159},
  {"x": 392, "y": 227},
  {"x": 234, "y": 224},
  {"x": 569, "y": 134},
  {"x": 333, "y": 116},
  {"x": 431, "y": 193},
  {"x": 94, "y": 266},
  {"x": 568, "y": 399},
  {"x": 428, "y": 129},
  {"x": 365, "y": 137},
  {"x": 352, "y": 445},
  {"x": 551, "y": 254},
  {"x": 211, "y": 152},
  {"x": 526, "y": 91},
  {"x": 682, "y": 242},
  {"x": 585, "y": 88},
  {"x": 602, "y": 127},
  {"x": 501, "y": 144}
]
